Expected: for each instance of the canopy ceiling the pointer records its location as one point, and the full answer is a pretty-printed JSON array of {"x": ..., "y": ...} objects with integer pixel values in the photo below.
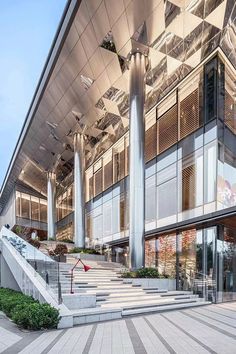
[{"x": 85, "y": 82}]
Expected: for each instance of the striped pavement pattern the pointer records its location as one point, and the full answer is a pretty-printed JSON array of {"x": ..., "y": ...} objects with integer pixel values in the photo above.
[{"x": 208, "y": 329}]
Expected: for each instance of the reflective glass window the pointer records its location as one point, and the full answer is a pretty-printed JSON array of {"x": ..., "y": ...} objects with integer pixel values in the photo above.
[
  {"x": 18, "y": 204},
  {"x": 25, "y": 206},
  {"x": 150, "y": 199},
  {"x": 35, "y": 212},
  {"x": 43, "y": 210}
]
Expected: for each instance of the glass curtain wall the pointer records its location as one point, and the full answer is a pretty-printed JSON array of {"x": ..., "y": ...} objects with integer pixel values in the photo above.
[
  {"x": 180, "y": 154},
  {"x": 64, "y": 203},
  {"x": 106, "y": 216},
  {"x": 226, "y": 184},
  {"x": 30, "y": 207}
]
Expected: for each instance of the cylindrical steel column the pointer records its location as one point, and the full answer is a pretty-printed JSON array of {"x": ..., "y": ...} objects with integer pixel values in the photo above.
[
  {"x": 79, "y": 206},
  {"x": 136, "y": 161},
  {"x": 51, "y": 208}
]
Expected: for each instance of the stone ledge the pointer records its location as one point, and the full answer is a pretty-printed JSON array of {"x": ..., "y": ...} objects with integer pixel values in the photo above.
[{"x": 79, "y": 301}]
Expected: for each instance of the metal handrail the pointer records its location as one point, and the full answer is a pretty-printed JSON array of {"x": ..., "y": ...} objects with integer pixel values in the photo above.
[{"x": 86, "y": 268}]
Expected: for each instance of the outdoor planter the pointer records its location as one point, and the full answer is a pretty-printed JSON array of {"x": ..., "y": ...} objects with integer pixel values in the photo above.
[
  {"x": 89, "y": 257},
  {"x": 160, "y": 283},
  {"x": 79, "y": 301},
  {"x": 61, "y": 258}
]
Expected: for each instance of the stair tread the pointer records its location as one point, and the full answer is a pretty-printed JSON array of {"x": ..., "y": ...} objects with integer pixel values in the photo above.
[
  {"x": 137, "y": 311},
  {"x": 147, "y": 302}
]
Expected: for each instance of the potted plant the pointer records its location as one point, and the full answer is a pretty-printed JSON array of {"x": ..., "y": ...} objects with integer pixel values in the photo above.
[
  {"x": 59, "y": 253},
  {"x": 34, "y": 243}
]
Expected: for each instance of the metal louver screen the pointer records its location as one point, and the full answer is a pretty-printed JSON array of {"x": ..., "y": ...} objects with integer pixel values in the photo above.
[
  {"x": 188, "y": 188},
  {"x": 119, "y": 165},
  {"x": 108, "y": 175},
  {"x": 98, "y": 182},
  {"x": 189, "y": 114},
  {"x": 90, "y": 187},
  {"x": 122, "y": 164},
  {"x": 167, "y": 129},
  {"x": 151, "y": 143},
  {"x": 229, "y": 112},
  {"x": 127, "y": 161}
]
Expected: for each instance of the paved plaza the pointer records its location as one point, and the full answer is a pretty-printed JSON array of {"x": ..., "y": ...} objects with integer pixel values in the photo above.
[{"x": 209, "y": 329}]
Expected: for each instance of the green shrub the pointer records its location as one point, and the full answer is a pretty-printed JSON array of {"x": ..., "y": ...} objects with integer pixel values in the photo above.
[
  {"x": 36, "y": 316},
  {"x": 143, "y": 273},
  {"x": 128, "y": 274},
  {"x": 9, "y": 299},
  {"x": 59, "y": 250},
  {"x": 83, "y": 250},
  {"x": 147, "y": 273},
  {"x": 34, "y": 243},
  {"x": 27, "y": 312},
  {"x": 66, "y": 240}
]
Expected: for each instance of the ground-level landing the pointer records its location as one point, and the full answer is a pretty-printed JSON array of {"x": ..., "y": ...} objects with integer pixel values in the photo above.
[{"x": 208, "y": 329}]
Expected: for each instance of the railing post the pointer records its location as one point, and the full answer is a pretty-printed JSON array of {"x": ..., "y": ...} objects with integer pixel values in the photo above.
[
  {"x": 59, "y": 284},
  {"x": 71, "y": 281},
  {"x": 47, "y": 277}
]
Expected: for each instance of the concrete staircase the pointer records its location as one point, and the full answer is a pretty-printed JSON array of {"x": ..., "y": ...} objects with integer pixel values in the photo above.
[{"x": 114, "y": 299}]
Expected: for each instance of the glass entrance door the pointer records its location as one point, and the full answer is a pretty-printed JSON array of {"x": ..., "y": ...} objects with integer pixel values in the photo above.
[
  {"x": 190, "y": 261},
  {"x": 226, "y": 264},
  {"x": 196, "y": 265}
]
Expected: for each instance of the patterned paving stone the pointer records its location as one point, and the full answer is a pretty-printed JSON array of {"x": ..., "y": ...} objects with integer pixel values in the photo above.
[{"x": 208, "y": 329}]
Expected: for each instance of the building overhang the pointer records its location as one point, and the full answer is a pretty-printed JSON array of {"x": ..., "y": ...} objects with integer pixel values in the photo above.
[{"x": 85, "y": 81}]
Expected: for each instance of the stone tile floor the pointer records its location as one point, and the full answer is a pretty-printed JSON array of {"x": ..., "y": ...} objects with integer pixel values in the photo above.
[{"x": 208, "y": 329}]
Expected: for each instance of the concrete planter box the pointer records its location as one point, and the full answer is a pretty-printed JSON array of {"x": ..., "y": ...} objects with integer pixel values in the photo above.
[
  {"x": 79, "y": 301},
  {"x": 89, "y": 257},
  {"x": 167, "y": 284},
  {"x": 61, "y": 258}
]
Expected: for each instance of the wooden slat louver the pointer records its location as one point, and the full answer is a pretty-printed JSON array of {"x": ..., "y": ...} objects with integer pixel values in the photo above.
[
  {"x": 90, "y": 186},
  {"x": 167, "y": 129},
  {"x": 188, "y": 187},
  {"x": 189, "y": 114},
  {"x": 151, "y": 143},
  {"x": 98, "y": 182},
  {"x": 108, "y": 175},
  {"x": 122, "y": 164}
]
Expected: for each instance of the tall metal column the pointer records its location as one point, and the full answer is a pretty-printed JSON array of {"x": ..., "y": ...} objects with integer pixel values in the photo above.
[
  {"x": 51, "y": 208},
  {"x": 79, "y": 206},
  {"x": 138, "y": 63}
]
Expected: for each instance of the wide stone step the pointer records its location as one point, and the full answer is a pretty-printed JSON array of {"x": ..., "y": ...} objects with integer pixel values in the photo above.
[
  {"x": 145, "y": 304},
  {"x": 120, "y": 292},
  {"x": 144, "y": 299},
  {"x": 97, "y": 270},
  {"x": 163, "y": 307},
  {"x": 100, "y": 314},
  {"x": 93, "y": 278}
]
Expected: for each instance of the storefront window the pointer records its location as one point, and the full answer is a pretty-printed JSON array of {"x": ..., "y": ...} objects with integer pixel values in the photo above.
[
  {"x": 151, "y": 253},
  {"x": 166, "y": 255},
  {"x": 226, "y": 264}
]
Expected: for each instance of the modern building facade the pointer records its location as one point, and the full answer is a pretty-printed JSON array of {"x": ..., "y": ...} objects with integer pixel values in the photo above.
[{"x": 130, "y": 139}]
